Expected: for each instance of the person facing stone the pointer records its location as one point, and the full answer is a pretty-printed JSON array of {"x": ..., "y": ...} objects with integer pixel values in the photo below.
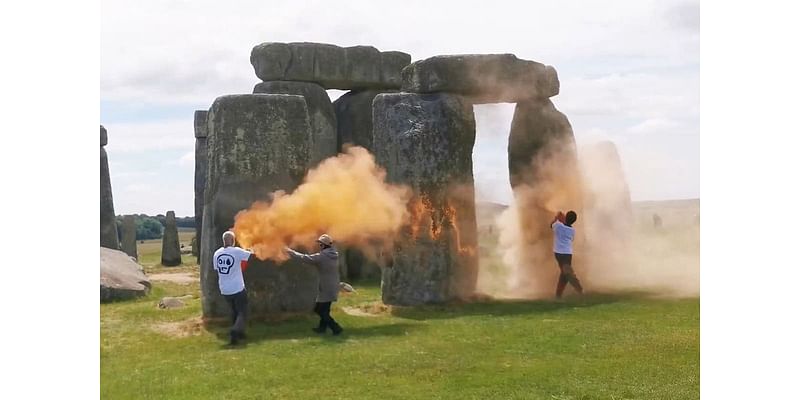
[
  {"x": 229, "y": 262},
  {"x": 562, "y": 247},
  {"x": 327, "y": 264}
]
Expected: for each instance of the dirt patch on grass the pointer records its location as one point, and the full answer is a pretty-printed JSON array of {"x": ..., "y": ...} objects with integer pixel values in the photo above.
[
  {"x": 190, "y": 327},
  {"x": 181, "y": 278},
  {"x": 376, "y": 309}
]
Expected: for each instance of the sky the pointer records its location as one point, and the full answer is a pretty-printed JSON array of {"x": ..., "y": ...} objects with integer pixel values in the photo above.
[{"x": 629, "y": 73}]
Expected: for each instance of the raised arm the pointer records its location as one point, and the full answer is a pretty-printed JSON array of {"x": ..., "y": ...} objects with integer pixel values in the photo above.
[{"x": 307, "y": 258}]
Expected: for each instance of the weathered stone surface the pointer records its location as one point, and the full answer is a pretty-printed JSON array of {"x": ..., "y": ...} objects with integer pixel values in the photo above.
[
  {"x": 129, "y": 236},
  {"x": 173, "y": 302},
  {"x": 426, "y": 141},
  {"x": 320, "y": 112},
  {"x": 120, "y": 277},
  {"x": 257, "y": 144},
  {"x": 200, "y": 172},
  {"x": 103, "y": 136},
  {"x": 200, "y": 124},
  {"x": 108, "y": 225},
  {"x": 545, "y": 178},
  {"x": 483, "y": 78},
  {"x": 333, "y": 67},
  {"x": 391, "y": 62},
  {"x": 354, "y": 118},
  {"x": 170, "y": 245}
]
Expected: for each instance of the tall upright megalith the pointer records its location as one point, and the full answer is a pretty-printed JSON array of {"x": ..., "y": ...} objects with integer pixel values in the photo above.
[
  {"x": 200, "y": 173},
  {"x": 257, "y": 144},
  {"x": 108, "y": 225},
  {"x": 545, "y": 177},
  {"x": 320, "y": 112},
  {"x": 129, "y": 236},
  {"x": 354, "y": 118},
  {"x": 170, "y": 244},
  {"x": 354, "y": 128},
  {"x": 426, "y": 141}
]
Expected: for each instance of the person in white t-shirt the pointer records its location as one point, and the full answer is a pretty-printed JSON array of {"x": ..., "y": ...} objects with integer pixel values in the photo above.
[
  {"x": 229, "y": 262},
  {"x": 563, "y": 236}
]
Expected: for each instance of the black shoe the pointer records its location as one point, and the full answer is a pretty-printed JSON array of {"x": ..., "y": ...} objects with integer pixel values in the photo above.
[
  {"x": 319, "y": 330},
  {"x": 338, "y": 331},
  {"x": 234, "y": 339}
]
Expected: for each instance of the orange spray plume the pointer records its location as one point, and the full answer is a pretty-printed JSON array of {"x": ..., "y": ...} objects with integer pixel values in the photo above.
[{"x": 345, "y": 196}]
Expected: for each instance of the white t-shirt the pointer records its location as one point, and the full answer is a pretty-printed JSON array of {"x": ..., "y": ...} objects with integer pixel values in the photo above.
[
  {"x": 228, "y": 264},
  {"x": 563, "y": 236}
]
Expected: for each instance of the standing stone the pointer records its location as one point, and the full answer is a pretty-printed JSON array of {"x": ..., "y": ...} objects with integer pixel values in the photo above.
[
  {"x": 108, "y": 225},
  {"x": 170, "y": 245},
  {"x": 332, "y": 67},
  {"x": 545, "y": 178},
  {"x": 426, "y": 141},
  {"x": 354, "y": 127},
  {"x": 483, "y": 78},
  {"x": 257, "y": 144},
  {"x": 200, "y": 172},
  {"x": 354, "y": 118},
  {"x": 129, "y": 236},
  {"x": 320, "y": 112}
]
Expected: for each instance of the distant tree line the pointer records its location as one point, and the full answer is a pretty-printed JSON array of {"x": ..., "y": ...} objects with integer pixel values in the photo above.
[{"x": 152, "y": 227}]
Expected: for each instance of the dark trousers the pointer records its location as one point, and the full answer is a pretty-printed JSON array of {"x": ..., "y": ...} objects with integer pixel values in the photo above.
[
  {"x": 238, "y": 303},
  {"x": 567, "y": 274},
  {"x": 325, "y": 319}
]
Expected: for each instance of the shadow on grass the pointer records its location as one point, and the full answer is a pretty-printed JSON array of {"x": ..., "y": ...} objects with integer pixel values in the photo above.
[
  {"x": 499, "y": 307},
  {"x": 300, "y": 329}
]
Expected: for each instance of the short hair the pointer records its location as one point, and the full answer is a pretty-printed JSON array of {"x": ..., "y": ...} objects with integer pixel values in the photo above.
[
  {"x": 228, "y": 234},
  {"x": 571, "y": 217}
]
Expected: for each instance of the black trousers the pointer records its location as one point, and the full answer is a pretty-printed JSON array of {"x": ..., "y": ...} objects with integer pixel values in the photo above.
[
  {"x": 567, "y": 274},
  {"x": 325, "y": 320},
  {"x": 238, "y": 303}
]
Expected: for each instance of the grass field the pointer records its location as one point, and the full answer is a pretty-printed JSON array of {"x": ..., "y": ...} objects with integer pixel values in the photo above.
[
  {"x": 600, "y": 346},
  {"x": 149, "y": 251}
]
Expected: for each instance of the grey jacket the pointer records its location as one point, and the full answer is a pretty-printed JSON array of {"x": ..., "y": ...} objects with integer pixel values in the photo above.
[{"x": 327, "y": 263}]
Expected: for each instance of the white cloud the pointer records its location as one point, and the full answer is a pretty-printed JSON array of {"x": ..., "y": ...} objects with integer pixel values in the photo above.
[
  {"x": 655, "y": 126},
  {"x": 171, "y": 51},
  {"x": 152, "y": 135},
  {"x": 628, "y": 69}
]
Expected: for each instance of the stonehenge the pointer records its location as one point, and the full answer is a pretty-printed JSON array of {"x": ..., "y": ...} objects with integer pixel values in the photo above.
[
  {"x": 332, "y": 67},
  {"x": 129, "y": 236},
  {"x": 257, "y": 144},
  {"x": 417, "y": 119},
  {"x": 170, "y": 244},
  {"x": 425, "y": 141},
  {"x": 545, "y": 178},
  {"x": 200, "y": 172},
  {"x": 482, "y": 78},
  {"x": 108, "y": 225},
  {"x": 320, "y": 111}
]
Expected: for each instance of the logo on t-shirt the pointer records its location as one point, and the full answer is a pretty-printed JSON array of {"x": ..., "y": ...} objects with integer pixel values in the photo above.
[{"x": 224, "y": 263}]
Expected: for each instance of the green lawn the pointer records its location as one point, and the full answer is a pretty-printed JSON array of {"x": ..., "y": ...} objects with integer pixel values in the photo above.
[
  {"x": 149, "y": 251},
  {"x": 601, "y": 346},
  {"x": 620, "y": 346}
]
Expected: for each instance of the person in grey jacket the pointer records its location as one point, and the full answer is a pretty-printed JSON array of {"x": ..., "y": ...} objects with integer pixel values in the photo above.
[{"x": 327, "y": 263}]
